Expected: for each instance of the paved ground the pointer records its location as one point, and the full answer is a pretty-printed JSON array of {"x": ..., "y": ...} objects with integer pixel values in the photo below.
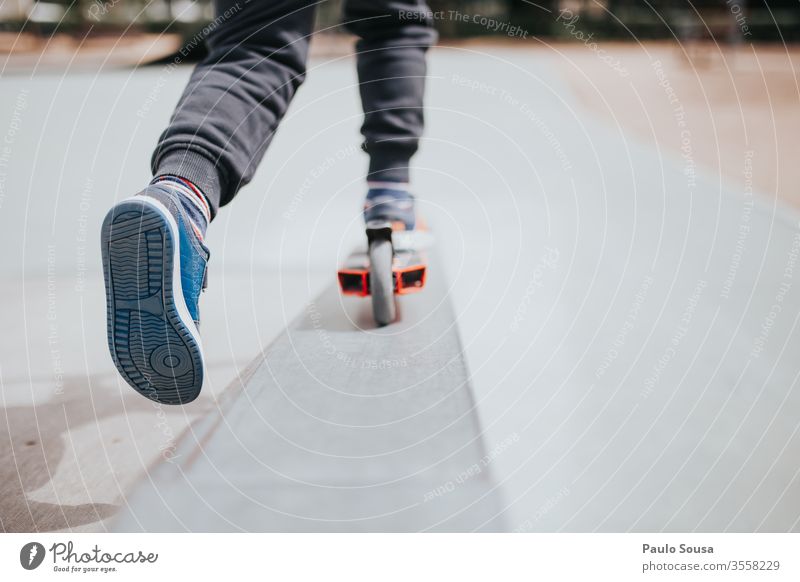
[
  {"x": 633, "y": 323},
  {"x": 340, "y": 426},
  {"x": 740, "y": 105},
  {"x": 628, "y": 319}
]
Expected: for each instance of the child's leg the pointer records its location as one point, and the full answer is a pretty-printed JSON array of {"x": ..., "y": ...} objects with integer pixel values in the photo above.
[
  {"x": 237, "y": 95},
  {"x": 154, "y": 259},
  {"x": 394, "y": 36}
]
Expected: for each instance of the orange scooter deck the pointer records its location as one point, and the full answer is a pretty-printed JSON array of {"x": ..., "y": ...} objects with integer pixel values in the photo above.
[{"x": 409, "y": 268}]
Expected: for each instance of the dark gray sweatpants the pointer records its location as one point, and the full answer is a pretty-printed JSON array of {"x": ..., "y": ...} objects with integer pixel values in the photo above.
[{"x": 237, "y": 96}]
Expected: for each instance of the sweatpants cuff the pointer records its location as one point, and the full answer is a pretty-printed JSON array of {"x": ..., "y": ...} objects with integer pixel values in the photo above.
[
  {"x": 196, "y": 168},
  {"x": 389, "y": 164}
]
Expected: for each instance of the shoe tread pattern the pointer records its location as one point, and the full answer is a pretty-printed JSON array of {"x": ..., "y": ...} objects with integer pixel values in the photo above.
[{"x": 149, "y": 343}]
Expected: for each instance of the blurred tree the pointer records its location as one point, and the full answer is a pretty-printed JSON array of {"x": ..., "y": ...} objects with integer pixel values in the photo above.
[
  {"x": 625, "y": 19},
  {"x": 537, "y": 18}
]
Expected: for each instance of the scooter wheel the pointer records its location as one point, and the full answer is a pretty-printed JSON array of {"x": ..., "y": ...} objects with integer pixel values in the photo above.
[{"x": 382, "y": 281}]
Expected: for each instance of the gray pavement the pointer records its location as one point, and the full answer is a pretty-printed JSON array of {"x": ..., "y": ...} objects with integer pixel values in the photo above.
[
  {"x": 339, "y": 426},
  {"x": 628, "y": 321}
]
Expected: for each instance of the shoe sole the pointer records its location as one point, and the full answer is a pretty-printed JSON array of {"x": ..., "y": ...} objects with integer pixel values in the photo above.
[{"x": 153, "y": 340}]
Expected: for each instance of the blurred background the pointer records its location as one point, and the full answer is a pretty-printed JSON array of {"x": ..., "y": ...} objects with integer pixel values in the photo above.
[
  {"x": 615, "y": 190},
  {"x": 619, "y": 19},
  {"x": 30, "y": 26}
]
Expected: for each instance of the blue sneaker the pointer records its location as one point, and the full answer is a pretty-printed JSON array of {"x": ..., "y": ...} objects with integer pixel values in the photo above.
[
  {"x": 155, "y": 268},
  {"x": 392, "y": 205}
]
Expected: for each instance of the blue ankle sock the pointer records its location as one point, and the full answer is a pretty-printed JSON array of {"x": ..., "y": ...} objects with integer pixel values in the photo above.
[
  {"x": 383, "y": 188},
  {"x": 192, "y": 200},
  {"x": 390, "y": 201}
]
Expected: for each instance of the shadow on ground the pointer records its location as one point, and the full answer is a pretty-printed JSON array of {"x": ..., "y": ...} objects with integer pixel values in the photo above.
[{"x": 38, "y": 440}]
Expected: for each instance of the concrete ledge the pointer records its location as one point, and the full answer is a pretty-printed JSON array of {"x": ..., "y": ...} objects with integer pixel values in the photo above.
[{"x": 339, "y": 426}]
